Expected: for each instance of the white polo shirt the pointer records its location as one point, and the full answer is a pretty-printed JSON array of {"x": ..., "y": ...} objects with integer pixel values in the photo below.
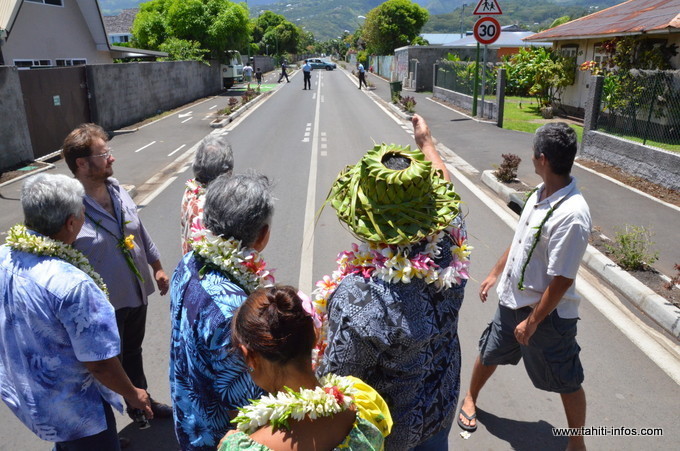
[{"x": 559, "y": 251}]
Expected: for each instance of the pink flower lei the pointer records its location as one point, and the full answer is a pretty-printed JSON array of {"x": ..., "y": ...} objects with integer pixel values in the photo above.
[{"x": 393, "y": 263}]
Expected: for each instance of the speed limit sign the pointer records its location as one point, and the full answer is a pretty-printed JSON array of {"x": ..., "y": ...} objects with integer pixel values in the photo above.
[{"x": 487, "y": 30}]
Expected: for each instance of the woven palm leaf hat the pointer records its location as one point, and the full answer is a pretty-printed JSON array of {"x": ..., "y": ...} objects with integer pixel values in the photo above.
[{"x": 391, "y": 206}]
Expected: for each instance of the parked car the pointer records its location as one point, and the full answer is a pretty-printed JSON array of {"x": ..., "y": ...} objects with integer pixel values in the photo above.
[{"x": 318, "y": 63}]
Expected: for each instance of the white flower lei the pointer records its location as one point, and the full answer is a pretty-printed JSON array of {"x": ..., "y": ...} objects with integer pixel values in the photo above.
[
  {"x": 19, "y": 239},
  {"x": 393, "y": 263},
  {"x": 243, "y": 264},
  {"x": 335, "y": 395}
]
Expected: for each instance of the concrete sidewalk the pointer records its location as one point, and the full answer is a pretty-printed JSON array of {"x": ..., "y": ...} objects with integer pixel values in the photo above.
[{"x": 478, "y": 147}]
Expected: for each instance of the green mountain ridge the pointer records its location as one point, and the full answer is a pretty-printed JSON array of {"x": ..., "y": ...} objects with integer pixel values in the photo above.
[{"x": 329, "y": 19}]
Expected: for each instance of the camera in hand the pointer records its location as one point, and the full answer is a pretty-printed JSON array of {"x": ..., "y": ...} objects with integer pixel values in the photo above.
[{"x": 140, "y": 419}]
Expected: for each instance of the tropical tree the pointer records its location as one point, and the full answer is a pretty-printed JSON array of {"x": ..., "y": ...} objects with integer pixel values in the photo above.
[
  {"x": 192, "y": 27},
  {"x": 393, "y": 24},
  {"x": 272, "y": 31}
]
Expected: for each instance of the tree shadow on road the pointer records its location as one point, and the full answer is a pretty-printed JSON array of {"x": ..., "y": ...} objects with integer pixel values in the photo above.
[{"x": 522, "y": 435}]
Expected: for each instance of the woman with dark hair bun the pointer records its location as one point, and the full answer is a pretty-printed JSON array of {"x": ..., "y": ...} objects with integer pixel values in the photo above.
[{"x": 275, "y": 330}]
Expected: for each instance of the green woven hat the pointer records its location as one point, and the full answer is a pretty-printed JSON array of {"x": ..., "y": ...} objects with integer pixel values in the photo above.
[{"x": 393, "y": 206}]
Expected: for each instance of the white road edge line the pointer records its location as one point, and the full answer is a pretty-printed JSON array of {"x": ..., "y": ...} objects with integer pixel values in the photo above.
[
  {"x": 142, "y": 148},
  {"x": 307, "y": 252},
  {"x": 186, "y": 120},
  {"x": 159, "y": 190},
  {"x": 176, "y": 150}
]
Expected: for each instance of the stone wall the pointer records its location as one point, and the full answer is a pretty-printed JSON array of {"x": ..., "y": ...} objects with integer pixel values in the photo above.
[
  {"x": 123, "y": 94},
  {"x": 15, "y": 140},
  {"x": 465, "y": 101},
  {"x": 656, "y": 165}
]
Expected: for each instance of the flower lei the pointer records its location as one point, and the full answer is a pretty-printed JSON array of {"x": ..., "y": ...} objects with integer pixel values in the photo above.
[
  {"x": 195, "y": 187},
  {"x": 394, "y": 263},
  {"x": 335, "y": 395},
  {"x": 19, "y": 239},
  {"x": 244, "y": 266}
]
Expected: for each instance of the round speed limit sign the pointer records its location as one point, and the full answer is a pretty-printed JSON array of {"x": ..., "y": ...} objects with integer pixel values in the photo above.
[{"x": 487, "y": 30}]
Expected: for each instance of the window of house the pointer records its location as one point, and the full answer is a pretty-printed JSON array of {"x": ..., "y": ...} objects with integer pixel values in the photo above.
[
  {"x": 569, "y": 51},
  {"x": 600, "y": 55},
  {"x": 61, "y": 62},
  {"x": 28, "y": 64},
  {"x": 48, "y": 2}
]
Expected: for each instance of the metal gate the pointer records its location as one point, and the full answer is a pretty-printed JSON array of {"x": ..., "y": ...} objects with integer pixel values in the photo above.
[{"x": 56, "y": 102}]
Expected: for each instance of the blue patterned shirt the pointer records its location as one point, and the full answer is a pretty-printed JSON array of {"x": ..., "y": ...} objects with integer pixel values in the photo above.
[
  {"x": 207, "y": 379},
  {"x": 53, "y": 318},
  {"x": 402, "y": 340}
]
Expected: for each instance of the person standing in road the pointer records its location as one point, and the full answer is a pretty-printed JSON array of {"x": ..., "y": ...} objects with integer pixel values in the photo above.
[
  {"x": 283, "y": 72},
  {"x": 248, "y": 74},
  {"x": 258, "y": 77},
  {"x": 362, "y": 75},
  {"x": 391, "y": 308},
  {"x": 307, "y": 73},
  {"x": 213, "y": 157},
  {"x": 209, "y": 382},
  {"x": 118, "y": 246},
  {"x": 59, "y": 371},
  {"x": 538, "y": 305}
]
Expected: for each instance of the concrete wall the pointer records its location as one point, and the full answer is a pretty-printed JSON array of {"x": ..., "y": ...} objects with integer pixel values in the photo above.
[
  {"x": 427, "y": 56},
  {"x": 656, "y": 165},
  {"x": 15, "y": 141},
  {"x": 465, "y": 101},
  {"x": 123, "y": 94}
]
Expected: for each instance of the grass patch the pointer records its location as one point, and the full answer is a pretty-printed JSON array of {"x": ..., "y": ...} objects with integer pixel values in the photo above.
[{"x": 522, "y": 114}]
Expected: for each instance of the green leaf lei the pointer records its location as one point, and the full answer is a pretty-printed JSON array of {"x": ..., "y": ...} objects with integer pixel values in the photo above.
[
  {"x": 19, "y": 239},
  {"x": 537, "y": 236}
]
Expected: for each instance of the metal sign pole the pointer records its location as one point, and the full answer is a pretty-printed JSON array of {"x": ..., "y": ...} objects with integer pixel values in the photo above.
[
  {"x": 476, "y": 88},
  {"x": 486, "y": 47}
]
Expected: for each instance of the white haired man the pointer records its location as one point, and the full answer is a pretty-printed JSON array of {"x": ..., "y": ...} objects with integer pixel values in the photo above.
[{"x": 59, "y": 371}]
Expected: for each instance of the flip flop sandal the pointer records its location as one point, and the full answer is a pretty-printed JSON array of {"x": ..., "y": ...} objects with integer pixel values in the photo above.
[{"x": 464, "y": 426}]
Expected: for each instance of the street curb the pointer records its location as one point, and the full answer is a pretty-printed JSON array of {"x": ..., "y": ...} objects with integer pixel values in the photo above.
[
  {"x": 230, "y": 118},
  {"x": 651, "y": 304},
  {"x": 21, "y": 177}
]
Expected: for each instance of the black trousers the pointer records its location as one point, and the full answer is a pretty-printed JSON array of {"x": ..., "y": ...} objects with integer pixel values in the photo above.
[
  {"x": 307, "y": 79},
  {"x": 283, "y": 74},
  {"x": 132, "y": 327},
  {"x": 362, "y": 79}
]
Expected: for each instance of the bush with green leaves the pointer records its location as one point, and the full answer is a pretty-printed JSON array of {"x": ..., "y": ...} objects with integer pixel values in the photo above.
[
  {"x": 539, "y": 72},
  {"x": 631, "y": 248},
  {"x": 507, "y": 171},
  {"x": 408, "y": 103}
]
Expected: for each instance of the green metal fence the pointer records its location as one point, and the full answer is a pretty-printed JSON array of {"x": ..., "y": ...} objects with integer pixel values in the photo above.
[
  {"x": 459, "y": 76},
  {"x": 642, "y": 105}
]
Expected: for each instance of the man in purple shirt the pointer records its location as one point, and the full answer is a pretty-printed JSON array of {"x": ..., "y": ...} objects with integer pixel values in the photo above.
[{"x": 118, "y": 247}]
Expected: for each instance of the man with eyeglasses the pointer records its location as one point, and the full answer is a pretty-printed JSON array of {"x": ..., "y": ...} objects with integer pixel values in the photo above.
[{"x": 118, "y": 247}]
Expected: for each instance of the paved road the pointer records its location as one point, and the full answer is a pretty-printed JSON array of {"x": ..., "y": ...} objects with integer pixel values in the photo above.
[{"x": 302, "y": 139}]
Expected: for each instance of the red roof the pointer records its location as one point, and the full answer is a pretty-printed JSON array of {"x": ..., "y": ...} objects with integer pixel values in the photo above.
[{"x": 631, "y": 17}]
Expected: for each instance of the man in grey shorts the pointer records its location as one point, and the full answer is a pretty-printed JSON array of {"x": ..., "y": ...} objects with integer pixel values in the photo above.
[{"x": 538, "y": 305}]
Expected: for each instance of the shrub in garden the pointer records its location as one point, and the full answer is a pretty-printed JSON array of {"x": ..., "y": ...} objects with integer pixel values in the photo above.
[
  {"x": 632, "y": 248},
  {"x": 408, "y": 103},
  {"x": 507, "y": 172}
]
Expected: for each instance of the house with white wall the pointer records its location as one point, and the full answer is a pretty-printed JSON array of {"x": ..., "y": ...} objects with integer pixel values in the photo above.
[
  {"x": 655, "y": 20},
  {"x": 56, "y": 33},
  {"x": 119, "y": 27}
]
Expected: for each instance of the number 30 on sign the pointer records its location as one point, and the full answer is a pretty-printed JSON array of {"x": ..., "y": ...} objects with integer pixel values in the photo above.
[{"x": 487, "y": 30}]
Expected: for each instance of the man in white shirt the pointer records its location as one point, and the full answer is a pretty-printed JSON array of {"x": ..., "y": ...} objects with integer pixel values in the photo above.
[
  {"x": 248, "y": 74},
  {"x": 307, "y": 73},
  {"x": 538, "y": 305},
  {"x": 362, "y": 75}
]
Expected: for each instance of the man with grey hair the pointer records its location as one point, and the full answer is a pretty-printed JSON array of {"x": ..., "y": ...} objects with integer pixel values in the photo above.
[
  {"x": 538, "y": 305},
  {"x": 59, "y": 371},
  {"x": 213, "y": 157},
  {"x": 208, "y": 381}
]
